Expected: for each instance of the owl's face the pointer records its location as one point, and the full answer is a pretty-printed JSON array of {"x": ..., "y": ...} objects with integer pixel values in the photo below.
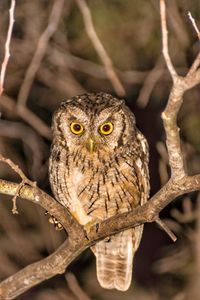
[{"x": 94, "y": 122}]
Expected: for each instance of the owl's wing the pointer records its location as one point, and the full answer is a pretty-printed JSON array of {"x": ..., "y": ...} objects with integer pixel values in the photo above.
[
  {"x": 114, "y": 261},
  {"x": 142, "y": 171}
]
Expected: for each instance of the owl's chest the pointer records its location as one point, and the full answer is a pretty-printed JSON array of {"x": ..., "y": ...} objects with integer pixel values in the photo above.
[{"x": 103, "y": 191}]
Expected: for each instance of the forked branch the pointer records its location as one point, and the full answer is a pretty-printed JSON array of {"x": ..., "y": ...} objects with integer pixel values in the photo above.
[
  {"x": 40, "y": 52},
  {"x": 87, "y": 18}
]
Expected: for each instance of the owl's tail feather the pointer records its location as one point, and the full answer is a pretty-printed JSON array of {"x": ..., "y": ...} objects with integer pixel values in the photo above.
[{"x": 114, "y": 261}]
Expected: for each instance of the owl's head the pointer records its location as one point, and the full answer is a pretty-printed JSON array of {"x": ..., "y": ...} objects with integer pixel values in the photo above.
[{"x": 95, "y": 122}]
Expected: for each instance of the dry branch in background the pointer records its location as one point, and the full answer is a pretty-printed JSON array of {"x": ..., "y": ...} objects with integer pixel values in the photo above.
[
  {"x": 27, "y": 115},
  {"x": 40, "y": 52},
  {"x": 150, "y": 82},
  {"x": 75, "y": 288},
  {"x": 7, "y": 46},
  {"x": 117, "y": 85},
  {"x": 77, "y": 241},
  {"x": 194, "y": 24}
]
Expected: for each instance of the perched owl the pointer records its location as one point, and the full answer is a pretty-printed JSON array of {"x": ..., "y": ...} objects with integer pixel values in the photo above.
[{"x": 98, "y": 168}]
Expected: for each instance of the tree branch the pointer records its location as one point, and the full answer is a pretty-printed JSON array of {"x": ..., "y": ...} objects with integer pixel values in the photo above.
[
  {"x": 179, "y": 184},
  {"x": 77, "y": 242},
  {"x": 40, "y": 51},
  {"x": 169, "y": 116},
  {"x": 87, "y": 18},
  {"x": 194, "y": 24},
  {"x": 37, "y": 196},
  {"x": 150, "y": 82},
  {"x": 27, "y": 115},
  {"x": 7, "y": 46},
  {"x": 196, "y": 63},
  {"x": 165, "y": 40},
  {"x": 166, "y": 229}
]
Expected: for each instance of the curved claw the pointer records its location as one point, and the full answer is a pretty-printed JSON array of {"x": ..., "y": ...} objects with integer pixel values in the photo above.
[
  {"x": 54, "y": 221},
  {"x": 87, "y": 227}
]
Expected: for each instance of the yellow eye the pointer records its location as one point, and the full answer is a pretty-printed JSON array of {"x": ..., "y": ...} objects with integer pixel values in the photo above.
[
  {"x": 76, "y": 128},
  {"x": 106, "y": 128}
]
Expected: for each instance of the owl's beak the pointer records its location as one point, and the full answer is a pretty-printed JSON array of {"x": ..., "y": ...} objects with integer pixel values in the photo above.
[{"x": 90, "y": 145}]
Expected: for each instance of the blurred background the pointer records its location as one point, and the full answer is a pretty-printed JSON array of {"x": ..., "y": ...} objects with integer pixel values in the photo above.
[{"x": 67, "y": 65}]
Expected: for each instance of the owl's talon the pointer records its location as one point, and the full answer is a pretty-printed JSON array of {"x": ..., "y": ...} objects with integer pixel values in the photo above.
[
  {"x": 89, "y": 225},
  {"x": 85, "y": 233},
  {"x": 54, "y": 221},
  {"x": 97, "y": 227},
  {"x": 107, "y": 239},
  {"x": 58, "y": 226},
  {"x": 51, "y": 220}
]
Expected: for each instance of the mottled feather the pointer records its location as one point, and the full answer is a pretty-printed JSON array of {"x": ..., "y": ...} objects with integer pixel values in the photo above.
[{"x": 110, "y": 180}]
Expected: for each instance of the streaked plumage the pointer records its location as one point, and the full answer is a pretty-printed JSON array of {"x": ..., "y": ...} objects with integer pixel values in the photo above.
[{"x": 98, "y": 168}]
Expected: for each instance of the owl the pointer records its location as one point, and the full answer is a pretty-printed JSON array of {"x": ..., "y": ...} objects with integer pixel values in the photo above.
[{"x": 99, "y": 168}]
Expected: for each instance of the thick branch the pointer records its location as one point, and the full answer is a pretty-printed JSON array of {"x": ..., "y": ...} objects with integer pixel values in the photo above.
[
  {"x": 35, "y": 273},
  {"x": 77, "y": 242},
  {"x": 169, "y": 116},
  {"x": 39, "y": 197}
]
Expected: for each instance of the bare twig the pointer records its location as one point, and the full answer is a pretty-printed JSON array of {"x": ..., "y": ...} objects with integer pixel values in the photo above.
[
  {"x": 7, "y": 46},
  {"x": 17, "y": 169},
  {"x": 166, "y": 229},
  {"x": 178, "y": 24},
  {"x": 14, "y": 199},
  {"x": 89, "y": 26},
  {"x": 27, "y": 115},
  {"x": 196, "y": 63},
  {"x": 150, "y": 82},
  {"x": 59, "y": 58},
  {"x": 24, "y": 181},
  {"x": 31, "y": 142},
  {"x": 48, "y": 76},
  {"x": 40, "y": 51},
  {"x": 194, "y": 24},
  {"x": 165, "y": 40},
  {"x": 19, "y": 241},
  {"x": 39, "y": 197},
  {"x": 75, "y": 287},
  {"x": 170, "y": 113},
  {"x": 192, "y": 291},
  {"x": 174, "y": 261},
  {"x": 169, "y": 116},
  {"x": 187, "y": 215}
]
